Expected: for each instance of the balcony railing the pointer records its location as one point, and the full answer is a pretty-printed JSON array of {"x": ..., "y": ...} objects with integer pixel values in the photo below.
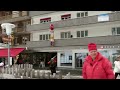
[
  {"x": 17, "y": 30},
  {"x": 103, "y": 40},
  {"x": 20, "y": 14},
  {"x": 6, "y": 17},
  {"x": 14, "y": 17},
  {"x": 73, "y": 22}
]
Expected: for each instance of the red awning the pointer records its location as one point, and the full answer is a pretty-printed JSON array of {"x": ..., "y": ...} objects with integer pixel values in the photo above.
[
  {"x": 13, "y": 52},
  {"x": 66, "y": 15},
  {"x": 45, "y": 18}
]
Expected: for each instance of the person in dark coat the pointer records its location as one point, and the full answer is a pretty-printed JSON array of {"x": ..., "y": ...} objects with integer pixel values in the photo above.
[
  {"x": 19, "y": 61},
  {"x": 53, "y": 64}
]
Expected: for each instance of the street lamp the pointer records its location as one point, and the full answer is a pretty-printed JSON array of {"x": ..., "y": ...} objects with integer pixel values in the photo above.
[{"x": 8, "y": 28}]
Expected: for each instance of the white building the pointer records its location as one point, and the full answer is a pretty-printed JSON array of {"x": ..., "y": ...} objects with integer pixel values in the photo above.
[{"x": 73, "y": 30}]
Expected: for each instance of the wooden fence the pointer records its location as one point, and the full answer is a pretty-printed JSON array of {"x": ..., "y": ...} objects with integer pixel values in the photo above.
[{"x": 26, "y": 71}]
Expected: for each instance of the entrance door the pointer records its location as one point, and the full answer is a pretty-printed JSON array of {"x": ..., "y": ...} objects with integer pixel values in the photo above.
[{"x": 79, "y": 59}]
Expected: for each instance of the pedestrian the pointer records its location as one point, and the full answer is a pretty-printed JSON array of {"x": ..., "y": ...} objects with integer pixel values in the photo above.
[
  {"x": 42, "y": 64},
  {"x": 15, "y": 60},
  {"x": 19, "y": 60},
  {"x": 53, "y": 64},
  {"x": 117, "y": 67},
  {"x": 96, "y": 66},
  {"x": 1, "y": 66}
]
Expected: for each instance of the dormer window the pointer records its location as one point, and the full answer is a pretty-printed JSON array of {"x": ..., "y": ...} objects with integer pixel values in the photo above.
[
  {"x": 45, "y": 20},
  {"x": 66, "y": 16}
]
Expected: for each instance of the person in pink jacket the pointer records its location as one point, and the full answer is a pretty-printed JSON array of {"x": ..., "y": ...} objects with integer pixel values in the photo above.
[{"x": 96, "y": 66}]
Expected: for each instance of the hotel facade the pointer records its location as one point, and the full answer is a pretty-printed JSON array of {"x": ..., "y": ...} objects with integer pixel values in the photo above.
[{"x": 73, "y": 30}]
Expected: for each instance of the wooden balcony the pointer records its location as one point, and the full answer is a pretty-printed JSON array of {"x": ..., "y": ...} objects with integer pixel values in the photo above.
[{"x": 14, "y": 18}]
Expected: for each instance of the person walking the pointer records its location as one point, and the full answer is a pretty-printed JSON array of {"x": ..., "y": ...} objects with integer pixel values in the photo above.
[
  {"x": 96, "y": 66},
  {"x": 53, "y": 64},
  {"x": 117, "y": 67}
]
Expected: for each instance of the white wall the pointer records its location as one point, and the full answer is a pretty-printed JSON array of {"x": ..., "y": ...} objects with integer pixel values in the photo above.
[
  {"x": 56, "y": 16},
  {"x": 37, "y": 34},
  {"x": 91, "y": 13},
  {"x": 101, "y": 29}
]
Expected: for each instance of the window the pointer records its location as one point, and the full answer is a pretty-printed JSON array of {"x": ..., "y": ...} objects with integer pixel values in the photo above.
[
  {"x": 116, "y": 31},
  {"x": 65, "y": 35},
  {"x": 62, "y": 34},
  {"x": 66, "y": 59},
  {"x": 113, "y": 31},
  {"x": 49, "y": 36},
  {"x": 40, "y": 37},
  {"x": 86, "y": 13},
  {"x": 78, "y": 33},
  {"x": 86, "y": 33},
  {"x": 70, "y": 57},
  {"x": 44, "y": 37},
  {"x": 82, "y": 33},
  {"x": 45, "y": 20},
  {"x": 20, "y": 24},
  {"x": 78, "y": 14},
  {"x": 24, "y": 39},
  {"x": 65, "y": 17},
  {"x": 82, "y": 14}
]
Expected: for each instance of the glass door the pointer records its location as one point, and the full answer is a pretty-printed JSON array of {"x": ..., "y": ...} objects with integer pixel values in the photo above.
[{"x": 79, "y": 59}]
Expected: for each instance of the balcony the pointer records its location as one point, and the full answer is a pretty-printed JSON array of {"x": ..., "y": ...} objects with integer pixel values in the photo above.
[
  {"x": 18, "y": 30},
  {"x": 101, "y": 40},
  {"x": 34, "y": 13},
  {"x": 73, "y": 22},
  {"x": 13, "y": 18}
]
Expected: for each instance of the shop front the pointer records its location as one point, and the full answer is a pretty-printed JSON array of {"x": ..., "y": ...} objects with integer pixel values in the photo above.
[
  {"x": 65, "y": 59},
  {"x": 43, "y": 58},
  {"x": 76, "y": 58},
  {"x": 111, "y": 54},
  {"x": 13, "y": 53}
]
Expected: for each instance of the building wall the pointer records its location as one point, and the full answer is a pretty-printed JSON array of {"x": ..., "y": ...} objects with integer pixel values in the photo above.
[
  {"x": 56, "y": 16},
  {"x": 92, "y": 13},
  {"x": 100, "y": 29},
  {"x": 35, "y": 13}
]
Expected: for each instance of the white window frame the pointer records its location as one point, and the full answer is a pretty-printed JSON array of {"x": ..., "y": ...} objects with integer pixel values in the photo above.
[
  {"x": 45, "y": 21},
  {"x": 66, "y": 17},
  {"x": 81, "y": 33},
  {"x": 115, "y": 31},
  {"x": 81, "y": 14},
  {"x": 41, "y": 39},
  {"x": 68, "y": 35}
]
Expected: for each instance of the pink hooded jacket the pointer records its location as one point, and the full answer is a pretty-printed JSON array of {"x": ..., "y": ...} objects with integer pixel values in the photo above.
[{"x": 100, "y": 68}]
